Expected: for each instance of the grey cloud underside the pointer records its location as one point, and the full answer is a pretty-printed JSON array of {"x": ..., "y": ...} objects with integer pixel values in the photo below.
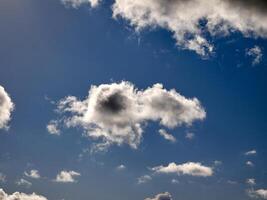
[{"x": 117, "y": 113}]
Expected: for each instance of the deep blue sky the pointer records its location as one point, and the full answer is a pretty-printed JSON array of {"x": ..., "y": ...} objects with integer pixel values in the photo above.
[{"x": 50, "y": 51}]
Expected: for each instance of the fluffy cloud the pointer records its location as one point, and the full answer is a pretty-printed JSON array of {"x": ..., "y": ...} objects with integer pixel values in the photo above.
[
  {"x": 189, "y": 168},
  {"x": 116, "y": 113},
  {"x": 33, "y": 174},
  {"x": 162, "y": 196},
  {"x": 52, "y": 127},
  {"x": 67, "y": 176},
  {"x": 20, "y": 196},
  {"x": 261, "y": 193},
  {"x": 192, "y": 22},
  {"x": 166, "y": 135},
  {"x": 256, "y": 54},
  {"x": 6, "y": 107}
]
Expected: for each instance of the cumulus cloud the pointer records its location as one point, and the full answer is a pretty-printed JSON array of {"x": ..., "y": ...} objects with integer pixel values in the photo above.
[
  {"x": 256, "y": 54},
  {"x": 6, "y": 108},
  {"x": 260, "y": 193},
  {"x": 77, "y": 3},
  {"x": 189, "y": 168},
  {"x": 144, "y": 179},
  {"x": 52, "y": 127},
  {"x": 116, "y": 113},
  {"x": 33, "y": 174},
  {"x": 251, "y": 152},
  {"x": 193, "y": 23},
  {"x": 20, "y": 196},
  {"x": 67, "y": 176},
  {"x": 162, "y": 196},
  {"x": 166, "y": 135}
]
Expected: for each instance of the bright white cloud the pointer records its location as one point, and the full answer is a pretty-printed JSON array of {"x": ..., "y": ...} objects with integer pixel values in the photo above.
[
  {"x": 33, "y": 174},
  {"x": 20, "y": 196},
  {"x": 166, "y": 135},
  {"x": 251, "y": 152},
  {"x": 6, "y": 108},
  {"x": 67, "y": 176},
  {"x": 77, "y": 3},
  {"x": 144, "y": 179},
  {"x": 162, "y": 196},
  {"x": 256, "y": 54},
  {"x": 121, "y": 167},
  {"x": 260, "y": 193},
  {"x": 24, "y": 183},
  {"x": 115, "y": 113},
  {"x": 189, "y": 168}
]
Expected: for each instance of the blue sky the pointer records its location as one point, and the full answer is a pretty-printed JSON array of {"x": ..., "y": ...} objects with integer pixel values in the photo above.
[{"x": 50, "y": 51}]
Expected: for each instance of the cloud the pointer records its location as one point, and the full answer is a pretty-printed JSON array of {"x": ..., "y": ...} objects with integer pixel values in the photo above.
[
  {"x": 260, "y": 193},
  {"x": 162, "y": 196},
  {"x": 166, "y": 135},
  {"x": 256, "y": 54},
  {"x": 116, "y": 113},
  {"x": 20, "y": 196},
  {"x": 121, "y": 167},
  {"x": 52, "y": 127},
  {"x": 67, "y": 176},
  {"x": 190, "y": 136},
  {"x": 33, "y": 174},
  {"x": 251, "y": 152},
  {"x": 250, "y": 164},
  {"x": 6, "y": 108},
  {"x": 144, "y": 179},
  {"x": 77, "y": 3},
  {"x": 251, "y": 181},
  {"x": 194, "y": 23},
  {"x": 24, "y": 183},
  {"x": 189, "y": 168}
]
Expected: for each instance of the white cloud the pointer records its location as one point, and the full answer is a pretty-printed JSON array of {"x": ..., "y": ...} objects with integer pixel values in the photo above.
[
  {"x": 251, "y": 181},
  {"x": 121, "y": 167},
  {"x": 77, "y": 3},
  {"x": 260, "y": 193},
  {"x": 67, "y": 176},
  {"x": 250, "y": 164},
  {"x": 52, "y": 127},
  {"x": 166, "y": 135},
  {"x": 174, "y": 181},
  {"x": 189, "y": 168},
  {"x": 116, "y": 113},
  {"x": 190, "y": 136},
  {"x": 2, "y": 178},
  {"x": 6, "y": 107},
  {"x": 251, "y": 152},
  {"x": 33, "y": 174},
  {"x": 256, "y": 54},
  {"x": 20, "y": 196},
  {"x": 24, "y": 183},
  {"x": 144, "y": 179},
  {"x": 162, "y": 196}
]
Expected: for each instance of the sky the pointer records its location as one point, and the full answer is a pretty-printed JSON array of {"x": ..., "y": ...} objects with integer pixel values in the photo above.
[{"x": 133, "y": 99}]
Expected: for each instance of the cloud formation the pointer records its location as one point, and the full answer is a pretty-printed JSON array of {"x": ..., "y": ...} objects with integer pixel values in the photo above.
[
  {"x": 116, "y": 113},
  {"x": 193, "y": 23},
  {"x": 162, "y": 196},
  {"x": 6, "y": 108},
  {"x": 67, "y": 176},
  {"x": 20, "y": 196},
  {"x": 77, "y": 3},
  {"x": 33, "y": 174},
  {"x": 256, "y": 54},
  {"x": 24, "y": 183},
  {"x": 260, "y": 193},
  {"x": 251, "y": 152},
  {"x": 189, "y": 168},
  {"x": 144, "y": 179},
  {"x": 166, "y": 135}
]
